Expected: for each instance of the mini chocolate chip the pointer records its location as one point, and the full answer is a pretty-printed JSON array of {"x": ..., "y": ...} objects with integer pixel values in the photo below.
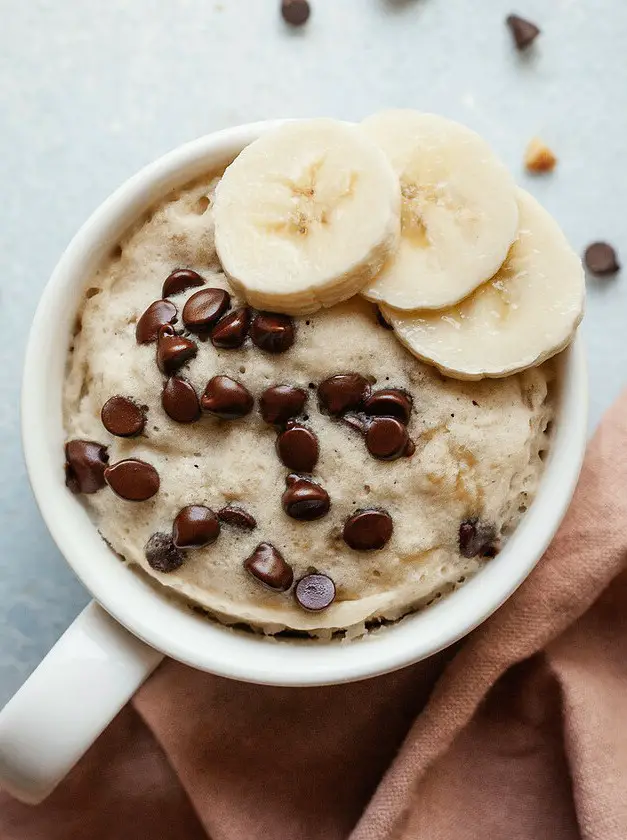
[
  {"x": 357, "y": 422},
  {"x": 173, "y": 350},
  {"x": 195, "y": 526},
  {"x": 230, "y": 332},
  {"x": 390, "y": 402},
  {"x": 204, "y": 309},
  {"x": 279, "y": 403},
  {"x": 343, "y": 392},
  {"x": 269, "y": 567},
  {"x": 381, "y": 320},
  {"x": 295, "y": 12},
  {"x": 161, "y": 553},
  {"x": 476, "y": 538},
  {"x": 305, "y": 500},
  {"x": 601, "y": 259},
  {"x": 315, "y": 592},
  {"x": 180, "y": 400},
  {"x": 298, "y": 448},
  {"x": 226, "y": 398},
  {"x": 132, "y": 479},
  {"x": 367, "y": 530},
  {"x": 158, "y": 313},
  {"x": 523, "y": 31},
  {"x": 272, "y": 332},
  {"x": 85, "y": 465},
  {"x": 180, "y": 280},
  {"x": 386, "y": 438},
  {"x": 237, "y": 517},
  {"x": 122, "y": 417}
]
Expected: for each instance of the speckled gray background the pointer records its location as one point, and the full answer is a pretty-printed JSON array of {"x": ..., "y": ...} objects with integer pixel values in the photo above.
[{"x": 91, "y": 90}]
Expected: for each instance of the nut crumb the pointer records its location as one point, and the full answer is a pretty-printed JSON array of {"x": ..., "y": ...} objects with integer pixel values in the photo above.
[{"x": 538, "y": 157}]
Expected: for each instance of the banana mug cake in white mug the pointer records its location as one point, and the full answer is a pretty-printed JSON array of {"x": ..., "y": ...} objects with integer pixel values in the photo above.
[{"x": 313, "y": 393}]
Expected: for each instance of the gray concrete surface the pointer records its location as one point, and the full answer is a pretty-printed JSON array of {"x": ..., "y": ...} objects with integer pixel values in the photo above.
[{"x": 90, "y": 91}]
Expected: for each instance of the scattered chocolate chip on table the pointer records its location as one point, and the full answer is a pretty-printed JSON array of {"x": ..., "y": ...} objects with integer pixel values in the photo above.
[
  {"x": 524, "y": 32},
  {"x": 601, "y": 259}
]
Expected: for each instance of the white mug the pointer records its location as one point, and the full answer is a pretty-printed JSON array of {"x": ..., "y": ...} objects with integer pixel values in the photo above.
[{"x": 122, "y": 636}]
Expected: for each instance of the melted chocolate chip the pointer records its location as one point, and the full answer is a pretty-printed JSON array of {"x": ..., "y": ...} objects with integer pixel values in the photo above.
[
  {"x": 226, "y": 398},
  {"x": 367, "y": 530},
  {"x": 86, "y": 462},
  {"x": 204, "y": 309},
  {"x": 269, "y": 567},
  {"x": 298, "y": 448},
  {"x": 173, "y": 350},
  {"x": 295, "y": 12},
  {"x": 180, "y": 400},
  {"x": 343, "y": 392},
  {"x": 195, "y": 526},
  {"x": 601, "y": 259},
  {"x": 237, "y": 517},
  {"x": 230, "y": 332},
  {"x": 162, "y": 555},
  {"x": 524, "y": 32},
  {"x": 132, "y": 479},
  {"x": 279, "y": 403},
  {"x": 181, "y": 280},
  {"x": 390, "y": 402},
  {"x": 272, "y": 332},
  {"x": 477, "y": 538},
  {"x": 158, "y": 314},
  {"x": 386, "y": 438},
  {"x": 305, "y": 500},
  {"x": 122, "y": 417},
  {"x": 315, "y": 592}
]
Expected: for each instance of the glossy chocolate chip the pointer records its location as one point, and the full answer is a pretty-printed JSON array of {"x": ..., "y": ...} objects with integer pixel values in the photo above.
[
  {"x": 295, "y": 12},
  {"x": 298, "y": 448},
  {"x": 279, "y": 403},
  {"x": 315, "y": 592},
  {"x": 343, "y": 392},
  {"x": 524, "y": 32},
  {"x": 158, "y": 313},
  {"x": 367, "y": 530},
  {"x": 173, "y": 350},
  {"x": 230, "y": 332},
  {"x": 122, "y": 417},
  {"x": 85, "y": 465},
  {"x": 268, "y": 566},
  {"x": 204, "y": 309},
  {"x": 161, "y": 553},
  {"x": 390, "y": 402},
  {"x": 195, "y": 526},
  {"x": 132, "y": 479},
  {"x": 305, "y": 500},
  {"x": 601, "y": 259},
  {"x": 272, "y": 332},
  {"x": 180, "y": 400},
  {"x": 226, "y": 398},
  {"x": 237, "y": 517},
  {"x": 386, "y": 438},
  {"x": 477, "y": 538},
  {"x": 181, "y": 280}
]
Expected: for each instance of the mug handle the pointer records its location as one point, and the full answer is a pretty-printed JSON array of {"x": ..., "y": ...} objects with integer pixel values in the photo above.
[{"x": 91, "y": 672}]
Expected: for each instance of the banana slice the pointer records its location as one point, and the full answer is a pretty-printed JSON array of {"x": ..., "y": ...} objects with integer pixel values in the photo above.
[
  {"x": 306, "y": 215},
  {"x": 525, "y": 314},
  {"x": 459, "y": 215}
]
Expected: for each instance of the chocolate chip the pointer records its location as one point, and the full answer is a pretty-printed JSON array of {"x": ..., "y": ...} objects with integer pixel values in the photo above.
[
  {"x": 390, "y": 402},
  {"x": 343, "y": 392},
  {"x": 476, "y": 538},
  {"x": 132, "y": 479},
  {"x": 158, "y": 313},
  {"x": 295, "y": 12},
  {"x": 161, "y": 553},
  {"x": 315, "y": 592},
  {"x": 204, "y": 309},
  {"x": 173, "y": 350},
  {"x": 386, "y": 438},
  {"x": 272, "y": 332},
  {"x": 601, "y": 258},
  {"x": 523, "y": 31},
  {"x": 237, "y": 517},
  {"x": 86, "y": 461},
  {"x": 305, "y": 500},
  {"x": 122, "y": 417},
  {"x": 180, "y": 400},
  {"x": 367, "y": 530},
  {"x": 269, "y": 567},
  {"x": 381, "y": 320},
  {"x": 195, "y": 526},
  {"x": 279, "y": 403},
  {"x": 298, "y": 448},
  {"x": 230, "y": 332},
  {"x": 226, "y": 398},
  {"x": 181, "y": 280}
]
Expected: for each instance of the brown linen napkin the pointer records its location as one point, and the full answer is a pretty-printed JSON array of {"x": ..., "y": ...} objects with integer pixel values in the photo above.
[{"x": 519, "y": 732}]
